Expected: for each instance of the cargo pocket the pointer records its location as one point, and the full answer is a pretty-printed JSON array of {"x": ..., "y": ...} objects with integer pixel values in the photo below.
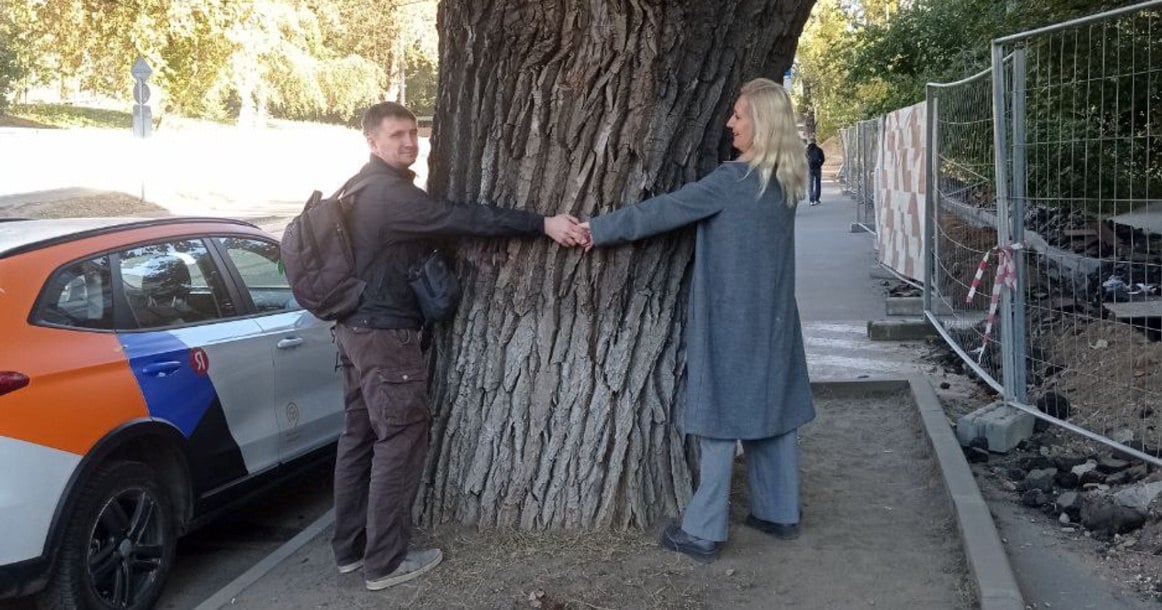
[{"x": 401, "y": 396}]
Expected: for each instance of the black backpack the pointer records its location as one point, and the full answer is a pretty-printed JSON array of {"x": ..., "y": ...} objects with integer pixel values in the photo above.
[{"x": 316, "y": 254}]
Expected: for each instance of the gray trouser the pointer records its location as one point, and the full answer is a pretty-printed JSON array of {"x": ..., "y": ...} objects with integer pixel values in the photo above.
[
  {"x": 381, "y": 452},
  {"x": 772, "y": 466}
]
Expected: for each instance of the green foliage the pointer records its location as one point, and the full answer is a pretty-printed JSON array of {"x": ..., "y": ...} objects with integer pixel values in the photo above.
[
  {"x": 422, "y": 79},
  {"x": 214, "y": 58},
  {"x": 63, "y": 115},
  {"x": 863, "y": 58}
]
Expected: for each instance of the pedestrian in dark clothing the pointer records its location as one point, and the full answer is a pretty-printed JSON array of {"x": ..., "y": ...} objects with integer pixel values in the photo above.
[
  {"x": 815, "y": 159},
  {"x": 746, "y": 365},
  {"x": 383, "y": 446}
]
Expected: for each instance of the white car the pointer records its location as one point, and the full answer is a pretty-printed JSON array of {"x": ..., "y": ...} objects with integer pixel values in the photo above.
[{"x": 151, "y": 373}]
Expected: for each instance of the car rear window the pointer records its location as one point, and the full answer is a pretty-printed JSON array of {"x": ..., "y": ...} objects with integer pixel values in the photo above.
[{"x": 79, "y": 296}]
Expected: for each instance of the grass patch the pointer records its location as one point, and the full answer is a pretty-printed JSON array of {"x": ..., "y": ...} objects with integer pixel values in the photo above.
[{"x": 65, "y": 115}]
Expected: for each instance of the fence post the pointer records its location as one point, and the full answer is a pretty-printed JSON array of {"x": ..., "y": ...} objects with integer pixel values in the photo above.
[
  {"x": 1018, "y": 337},
  {"x": 1004, "y": 215},
  {"x": 932, "y": 155}
]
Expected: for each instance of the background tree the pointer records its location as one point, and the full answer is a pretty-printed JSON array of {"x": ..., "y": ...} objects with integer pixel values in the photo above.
[
  {"x": 558, "y": 380},
  {"x": 299, "y": 59}
]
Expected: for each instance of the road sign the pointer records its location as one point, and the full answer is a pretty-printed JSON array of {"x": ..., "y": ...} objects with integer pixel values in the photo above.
[
  {"x": 142, "y": 121},
  {"x": 140, "y": 69},
  {"x": 140, "y": 92}
]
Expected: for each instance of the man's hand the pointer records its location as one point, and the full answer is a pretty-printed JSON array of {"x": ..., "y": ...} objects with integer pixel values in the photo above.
[{"x": 565, "y": 230}]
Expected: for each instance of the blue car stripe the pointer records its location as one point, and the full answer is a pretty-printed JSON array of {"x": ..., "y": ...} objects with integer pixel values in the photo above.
[{"x": 173, "y": 390}]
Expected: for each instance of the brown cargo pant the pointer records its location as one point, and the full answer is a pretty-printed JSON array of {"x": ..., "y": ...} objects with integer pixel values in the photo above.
[{"x": 382, "y": 449}]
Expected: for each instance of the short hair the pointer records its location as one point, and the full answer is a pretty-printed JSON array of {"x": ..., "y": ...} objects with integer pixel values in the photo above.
[{"x": 374, "y": 115}]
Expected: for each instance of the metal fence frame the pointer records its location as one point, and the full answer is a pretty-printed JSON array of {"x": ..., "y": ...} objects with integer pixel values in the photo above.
[
  {"x": 1010, "y": 91},
  {"x": 1012, "y": 171}
]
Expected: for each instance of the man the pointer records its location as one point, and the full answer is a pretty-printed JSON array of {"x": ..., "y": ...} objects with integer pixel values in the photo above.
[
  {"x": 815, "y": 160},
  {"x": 382, "y": 449}
]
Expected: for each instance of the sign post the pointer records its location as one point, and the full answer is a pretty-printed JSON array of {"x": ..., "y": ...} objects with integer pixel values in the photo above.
[{"x": 142, "y": 114}]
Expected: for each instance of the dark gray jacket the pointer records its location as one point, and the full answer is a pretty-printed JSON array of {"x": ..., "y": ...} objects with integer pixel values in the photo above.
[
  {"x": 395, "y": 224},
  {"x": 746, "y": 366}
]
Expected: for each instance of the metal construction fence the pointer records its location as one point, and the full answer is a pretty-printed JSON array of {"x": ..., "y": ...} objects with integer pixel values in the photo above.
[
  {"x": 861, "y": 146},
  {"x": 1044, "y": 204}
]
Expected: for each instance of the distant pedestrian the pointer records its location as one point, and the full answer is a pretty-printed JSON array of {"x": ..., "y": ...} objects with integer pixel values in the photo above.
[{"x": 815, "y": 159}]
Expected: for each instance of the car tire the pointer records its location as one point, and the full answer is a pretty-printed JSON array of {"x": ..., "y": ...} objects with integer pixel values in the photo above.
[{"x": 118, "y": 546}]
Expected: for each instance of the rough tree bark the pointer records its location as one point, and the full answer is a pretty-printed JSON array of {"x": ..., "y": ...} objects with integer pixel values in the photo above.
[{"x": 556, "y": 385}]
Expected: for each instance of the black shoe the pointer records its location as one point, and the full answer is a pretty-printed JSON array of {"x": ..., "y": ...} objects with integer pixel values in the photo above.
[
  {"x": 782, "y": 531},
  {"x": 675, "y": 538}
]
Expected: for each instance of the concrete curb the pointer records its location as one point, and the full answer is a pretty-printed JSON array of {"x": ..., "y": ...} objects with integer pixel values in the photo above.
[
  {"x": 996, "y": 585},
  {"x": 226, "y": 595}
]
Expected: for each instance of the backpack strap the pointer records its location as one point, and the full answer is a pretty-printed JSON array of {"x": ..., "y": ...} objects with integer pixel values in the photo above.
[{"x": 350, "y": 188}]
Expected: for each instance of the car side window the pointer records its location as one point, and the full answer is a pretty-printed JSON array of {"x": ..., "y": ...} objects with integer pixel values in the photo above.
[
  {"x": 257, "y": 261},
  {"x": 80, "y": 296},
  {"x": 173, "y": 283}
]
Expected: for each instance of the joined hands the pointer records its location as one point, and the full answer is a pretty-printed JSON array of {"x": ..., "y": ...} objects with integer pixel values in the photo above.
[{"x": 567, "y": 231}]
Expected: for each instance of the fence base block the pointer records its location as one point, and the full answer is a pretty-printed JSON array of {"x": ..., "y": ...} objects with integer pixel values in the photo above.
[
  {"x": 899, "y": 330},
  {"x": 1001, "y": 425}
]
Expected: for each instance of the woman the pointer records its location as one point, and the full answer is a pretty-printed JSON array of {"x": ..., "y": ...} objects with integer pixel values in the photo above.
[{"x": 747, "y": 371}]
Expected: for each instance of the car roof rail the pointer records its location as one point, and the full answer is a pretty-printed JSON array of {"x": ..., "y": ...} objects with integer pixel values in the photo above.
[{"x": 128, "y": 224}]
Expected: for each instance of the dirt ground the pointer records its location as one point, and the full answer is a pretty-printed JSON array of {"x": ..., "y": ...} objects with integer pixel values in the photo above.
[
  {"x": 95, "y": 205},
  {"x": 877, "y": 532}
]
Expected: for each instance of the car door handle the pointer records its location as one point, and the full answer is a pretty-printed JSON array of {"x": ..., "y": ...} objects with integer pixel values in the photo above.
[
  {"x": 289, "y": 342},
  {"x": 161, "y": 369}
]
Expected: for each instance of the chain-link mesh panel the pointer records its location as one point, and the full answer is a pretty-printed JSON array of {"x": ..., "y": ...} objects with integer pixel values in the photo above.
[
  {"x": 1085, "y": 167},
  {"x": 963, "y": 218}
]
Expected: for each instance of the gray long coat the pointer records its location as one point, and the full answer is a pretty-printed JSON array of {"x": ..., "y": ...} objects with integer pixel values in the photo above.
[{"x": 746, "y": 368}]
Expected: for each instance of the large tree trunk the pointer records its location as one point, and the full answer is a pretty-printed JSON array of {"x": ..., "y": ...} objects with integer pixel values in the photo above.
[{"x": 557, "y": 384}]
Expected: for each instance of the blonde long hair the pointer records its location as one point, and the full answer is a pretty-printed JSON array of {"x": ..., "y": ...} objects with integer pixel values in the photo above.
[{"x": 776, "y": 148}]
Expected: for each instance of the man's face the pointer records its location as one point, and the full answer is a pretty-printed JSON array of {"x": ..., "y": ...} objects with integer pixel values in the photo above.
[{"x": 396, "y": 141}]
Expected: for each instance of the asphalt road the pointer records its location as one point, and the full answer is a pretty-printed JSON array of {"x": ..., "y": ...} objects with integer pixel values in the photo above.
[{"x": 211, "y": 557}]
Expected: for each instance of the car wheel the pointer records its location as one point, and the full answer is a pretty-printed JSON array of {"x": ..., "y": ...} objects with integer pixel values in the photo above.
[{"x": 119, "y": 544}]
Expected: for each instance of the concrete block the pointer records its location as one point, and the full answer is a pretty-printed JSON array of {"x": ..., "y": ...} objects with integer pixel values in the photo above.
[
  {"x": 914, "y": 306},
  {"x": 904, "y": 306},
  {"x": 899, "y": 330},
  {"x": 1001, "y": 425}
]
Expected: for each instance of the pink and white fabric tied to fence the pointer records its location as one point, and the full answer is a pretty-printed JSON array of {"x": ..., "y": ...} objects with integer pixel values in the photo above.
[{"x": 1006, "y": 277}]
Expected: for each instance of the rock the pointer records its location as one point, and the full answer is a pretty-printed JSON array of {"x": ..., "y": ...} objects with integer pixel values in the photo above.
[
  {"x": 1069, "y": 462},
  {"x": 1083, "y": 468},
  {"x": 1124, "y": 477},
  {"x": 1139, "y": 496},
  {"x": 1063, "y": 519},
  {"x": 1092, "y": 477},
  {"x": 1069, "y": 503},
  {"x": 1112, "y": 464},
  {"x": 1066, "y": 480},
  {"x": 1040, "y": 479},
  {"x": 1054, "y": 405},
  {"x": 1034, "y": 462},
  {"x": 1123, "y": 436},
  {"x": 944, "y": 385},
  {"x": 1102, "y": 516},
  {"x": 975, "y": 455},
  {"x": 1015, "y": 474},
  {"x": 1034, "y": 498}
]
